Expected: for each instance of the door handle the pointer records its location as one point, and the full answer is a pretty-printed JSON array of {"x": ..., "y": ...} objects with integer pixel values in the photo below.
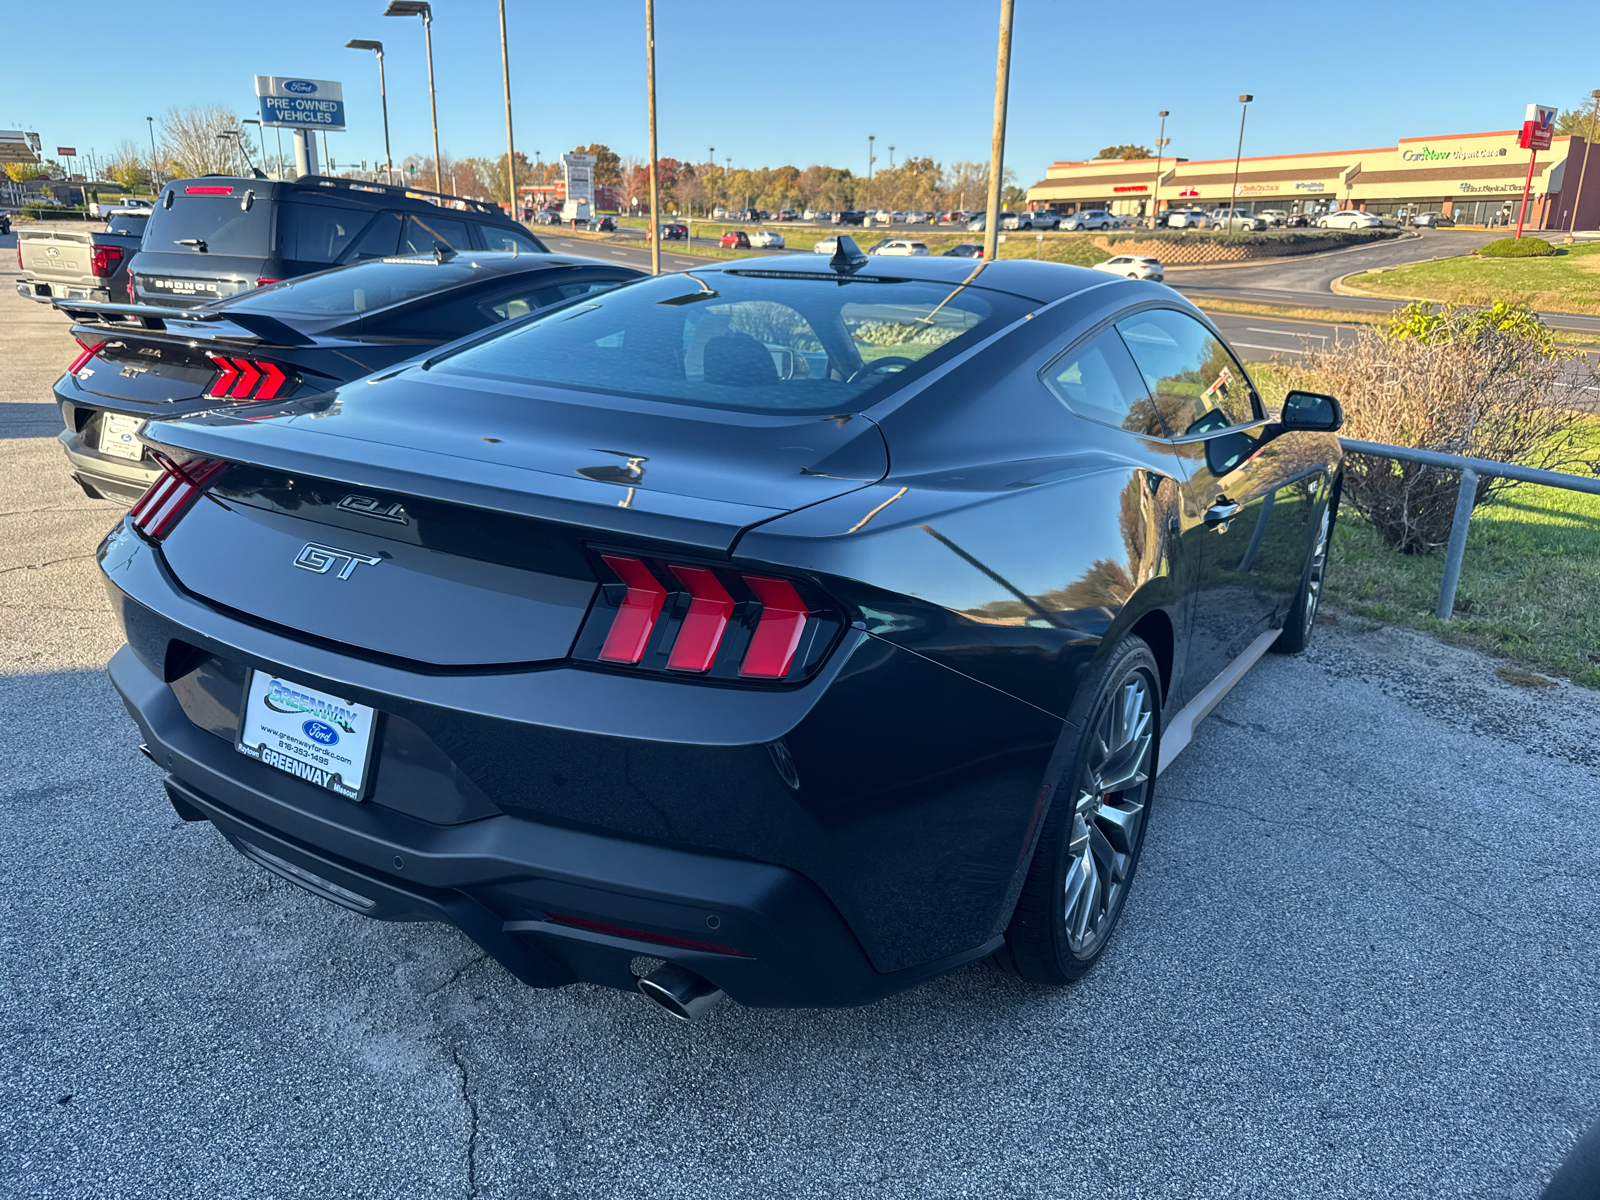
[{"x": 1220, "y": 513}]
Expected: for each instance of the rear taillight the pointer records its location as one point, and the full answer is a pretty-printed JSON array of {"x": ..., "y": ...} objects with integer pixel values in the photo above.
[
  {"x": 82, "y": 360},
  {"x": 714, "y": 622},
  {"x": 246, "y": 379},
  {"x": 104, "y": 260},
  {"x": 161, "y": 508},
  {"x": 263, "y": 281},
  {"x": 196, "y": 190}
]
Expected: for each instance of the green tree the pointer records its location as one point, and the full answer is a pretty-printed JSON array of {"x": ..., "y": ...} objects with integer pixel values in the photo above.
[
  {"x": 1580, "y": 121},
  {"x": 1128, "y": 153},
  {"x": 607, "y": 163}
]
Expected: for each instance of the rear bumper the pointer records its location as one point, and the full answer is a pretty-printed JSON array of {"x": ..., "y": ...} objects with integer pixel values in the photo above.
[
  {"x": 45, "y": 292},
  {"x": 553, "y": 905},
  {"x": 111, "y": 477}
]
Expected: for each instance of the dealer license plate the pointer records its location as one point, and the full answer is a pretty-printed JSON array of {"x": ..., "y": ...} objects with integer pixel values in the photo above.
[
  {"x": 320, "y": 738},
  {"x": 119, "y": 435}
]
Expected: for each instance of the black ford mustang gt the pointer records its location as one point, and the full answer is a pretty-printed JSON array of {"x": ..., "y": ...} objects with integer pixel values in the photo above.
[
  {"x": 307, "y": 334},
  {"x": 791, "y": 632}
]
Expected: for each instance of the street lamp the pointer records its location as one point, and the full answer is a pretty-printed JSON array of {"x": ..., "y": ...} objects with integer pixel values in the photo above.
[
  {"x": 153, "y": 176},
  {"x": 1594, "y": 127},
  {"x": 891, "y": 158},
  {"x": 231, "y": 136},
  {"x": 870, "y": 158},
  {"x": 383, "y": 99},
  {"x": 420, "y": 8},
  {"x": 1161, "y": 141},
  {"x": 1233, "y": 198},
  {"x": 261, "y": 136}
]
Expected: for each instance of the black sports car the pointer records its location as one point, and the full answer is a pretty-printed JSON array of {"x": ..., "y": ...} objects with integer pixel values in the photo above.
[
  {"x": 308, "y": 334},
  {"x": 792, "y": 632}
]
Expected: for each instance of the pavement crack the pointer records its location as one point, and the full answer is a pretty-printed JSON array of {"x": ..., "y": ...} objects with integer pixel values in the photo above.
[
  {"x": 471, "y": 1102},
  {"x": 457, "y": 974},
  {"x": 41, "y": 566}
]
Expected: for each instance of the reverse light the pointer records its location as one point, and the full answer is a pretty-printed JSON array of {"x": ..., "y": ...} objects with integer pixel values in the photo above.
[
  {"x": 82, "y": 360},
  {"x": 711, "y": 621},
  {"x": 161, "y": 508},
  {"x": 238, "y": 379}
]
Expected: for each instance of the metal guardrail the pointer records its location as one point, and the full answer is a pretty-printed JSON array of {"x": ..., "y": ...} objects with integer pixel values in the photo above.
[{"x": 1471, "y": 469}]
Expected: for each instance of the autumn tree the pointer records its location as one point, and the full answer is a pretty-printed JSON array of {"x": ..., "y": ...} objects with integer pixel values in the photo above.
[
  {"x": 1580, "y": 121},
  {"x": 127, "y": 165},
  {"x": 607, "y": 164},
  {"x": 1128, "y": 153},
  {"x": 191, "y": 143}
]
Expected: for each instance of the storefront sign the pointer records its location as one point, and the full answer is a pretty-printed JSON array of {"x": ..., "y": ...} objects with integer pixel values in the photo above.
[
  {"x": 1537, "y": 126},
  {"x": 1316, "y": 186},
  {"x": 1427, "y": 155},
  {"x": 1133, "y": 187},
  {"x": 1189, "y": 192},
  {"x": 1490, "y": 187}
]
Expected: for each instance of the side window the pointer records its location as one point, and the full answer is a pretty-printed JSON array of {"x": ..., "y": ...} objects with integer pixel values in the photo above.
[
  {"x": 377, "y": 240},
  {"x": 520, "y": 304},
  {"x": 423, "y": 233},
  {"x": 312, "y": 233},
  {"x": 1197, "y": 384},
  {"x": 1098, "y": 381},
  {"x": 496, "y": 237}
]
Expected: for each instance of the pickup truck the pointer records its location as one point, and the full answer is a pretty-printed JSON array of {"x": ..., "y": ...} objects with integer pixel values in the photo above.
[
  {"x": 71, "y": 262},
  {"x": 128, "y": 204}
]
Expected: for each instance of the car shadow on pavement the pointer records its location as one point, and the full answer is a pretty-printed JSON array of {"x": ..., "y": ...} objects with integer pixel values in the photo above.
[{"x": 29, "y": 420}]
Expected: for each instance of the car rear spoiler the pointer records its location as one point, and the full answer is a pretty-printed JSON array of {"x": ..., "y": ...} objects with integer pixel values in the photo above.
[{"x": 247, "y": 327}]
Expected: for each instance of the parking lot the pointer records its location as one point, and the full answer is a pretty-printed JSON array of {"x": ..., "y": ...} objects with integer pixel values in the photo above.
[{"x": 1358, "y": 962}]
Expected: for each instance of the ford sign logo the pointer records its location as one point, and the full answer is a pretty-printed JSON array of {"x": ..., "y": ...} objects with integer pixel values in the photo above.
[
  {"x": 300, "y": 87},
  {"x": 321, "y": 732}
]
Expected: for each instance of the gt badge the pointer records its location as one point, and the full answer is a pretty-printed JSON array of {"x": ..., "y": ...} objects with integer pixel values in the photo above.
[{"x": 321, "y": 559}]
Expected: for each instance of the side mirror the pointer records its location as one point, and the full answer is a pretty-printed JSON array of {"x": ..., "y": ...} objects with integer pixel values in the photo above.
[{"x": 1311, "y": 411}]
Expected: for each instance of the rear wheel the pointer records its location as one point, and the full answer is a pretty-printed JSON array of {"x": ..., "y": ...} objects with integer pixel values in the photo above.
[
  {"x": 1302, "y": 620},
  {"x": 1090, "y": 844}
]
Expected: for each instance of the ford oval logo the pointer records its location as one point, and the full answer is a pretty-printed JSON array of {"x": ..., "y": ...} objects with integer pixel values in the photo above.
[
  {"x": 300, "y": 87},
  {"x": 321, "y": 732}
]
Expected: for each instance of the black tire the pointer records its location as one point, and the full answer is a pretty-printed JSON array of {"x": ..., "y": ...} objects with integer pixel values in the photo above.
[
  {"x": 1301, "y": 622},
  {"x": 1089, "y": 825}
]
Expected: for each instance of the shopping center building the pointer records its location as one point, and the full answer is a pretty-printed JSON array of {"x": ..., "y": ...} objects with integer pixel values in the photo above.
[{"x": 1476, "y": 178}]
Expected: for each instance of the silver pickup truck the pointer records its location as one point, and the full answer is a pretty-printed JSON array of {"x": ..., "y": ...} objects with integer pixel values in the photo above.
[{"x": 78, "y": 262}]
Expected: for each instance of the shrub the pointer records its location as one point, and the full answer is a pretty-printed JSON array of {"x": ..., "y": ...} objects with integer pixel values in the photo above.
[
  {"x": 1528, "y": 247},
  {"x": 1486, "y": 383}
]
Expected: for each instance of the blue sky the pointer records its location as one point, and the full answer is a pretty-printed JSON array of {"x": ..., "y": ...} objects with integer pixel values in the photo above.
[{"x": 773, "y": 84}]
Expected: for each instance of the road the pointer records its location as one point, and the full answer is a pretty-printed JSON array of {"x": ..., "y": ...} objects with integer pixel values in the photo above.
[{"x": 1357, "y": 963}]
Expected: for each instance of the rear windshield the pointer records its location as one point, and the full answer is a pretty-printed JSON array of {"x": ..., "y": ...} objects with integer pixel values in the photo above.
[
  {"x": 221, "y": 223},
  {"x": 121, "y": 223},
  {"x": 747, "y": 341},
  {"x": 360, "y": 288}
]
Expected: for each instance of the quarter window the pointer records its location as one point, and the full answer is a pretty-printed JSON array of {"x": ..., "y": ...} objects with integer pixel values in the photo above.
[
  {"x": 423, "y": 234},
  {"x": 1197, "y": 384},
  {"x": 497, "y": 238},
  {"x": 1099, "y": 382}
]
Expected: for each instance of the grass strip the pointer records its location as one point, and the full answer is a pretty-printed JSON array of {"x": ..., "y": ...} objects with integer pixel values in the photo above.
[{"x": 1568, "y": 281}]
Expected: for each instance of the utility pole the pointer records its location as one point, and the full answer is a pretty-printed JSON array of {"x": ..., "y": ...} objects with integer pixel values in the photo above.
[
  {"x": 511, "y": 151},
  {"x": 650, "y": 85},
  {"x": 997, "y": 146},
  {"x": 1233, "y": 196},
  {"x": 1161, "y": 141},
  {"x": 1594, "y": 127}
]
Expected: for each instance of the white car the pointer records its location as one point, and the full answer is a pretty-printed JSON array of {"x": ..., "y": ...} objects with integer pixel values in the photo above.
[
  {"x": 1133, "y": 266},
  {"x": 767, "y": 239},
  {"x": 1349, "y": 218},
  {"x": 880, "y": 217},
  {"x": 1091, "y": 218},
  {"x": 902, "y": 247},
  {"x": 1187, "y": 218},
  {"x": 827, "y": 245}
]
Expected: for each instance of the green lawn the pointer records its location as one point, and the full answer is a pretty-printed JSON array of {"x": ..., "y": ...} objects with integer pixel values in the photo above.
[{"x": 1567, "y": 282}]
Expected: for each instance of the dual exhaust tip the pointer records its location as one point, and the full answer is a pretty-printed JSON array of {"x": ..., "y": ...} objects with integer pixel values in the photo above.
[{"x": 681, "y": 992}]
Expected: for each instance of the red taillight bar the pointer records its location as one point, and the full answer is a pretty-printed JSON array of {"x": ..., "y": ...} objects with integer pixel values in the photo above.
[
  {"x": 644, "y": 935},
  {"x": 181, "y": 484},
  {"x": 263, "y": 281},
  {"x": 104, "y": 260},
  {"x": 88, "y": 353},
  {"x": 710, "y": 606},
  {"x": 636, "y": 617},
  {"x": 219, "y": 389},
  {"x": 248, "y": 378},
  {"x": 272, "y": 380},
  {"x": 777, "y": 635},
  {"x": 207, "y": 191},
  {"x": 239, "y": 376}
]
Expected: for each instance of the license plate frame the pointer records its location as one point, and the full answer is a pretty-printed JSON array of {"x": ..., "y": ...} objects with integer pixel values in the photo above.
[
  {"x": 119, "y": 436},
  {"x": 287, "y": 726}
]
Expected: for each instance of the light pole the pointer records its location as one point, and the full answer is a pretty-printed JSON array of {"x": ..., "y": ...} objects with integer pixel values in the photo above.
[
  {"x": 511, "y": 151},
  {"x": 891, "y": 158},
  {"x": 997, "y": 145},
  {"x": 383, "y": 99},
  {"x": 231, "y": 137},
  {"x": 1233, "y": 197},
  {"x": 871, "y": 158},
  {"x": 261, "y": 137},
  {"x": 154, "y": 176},
  {"x": 650, "y": 85},
  {"x": 420, "y": 8},
  {"x": 1161, "y": 141},
  {"x": 1594, "y": 127}
]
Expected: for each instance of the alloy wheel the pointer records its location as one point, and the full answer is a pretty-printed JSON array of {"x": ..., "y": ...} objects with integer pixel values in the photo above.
[
  {"x": 1109, "y": 811},
  {"x": 1319, "y": 568}
]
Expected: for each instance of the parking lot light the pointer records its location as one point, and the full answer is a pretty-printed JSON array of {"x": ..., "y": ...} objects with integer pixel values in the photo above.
[
  {"x": 383, "y": 99},
  {"x": 420, "y": 8},
  {"x": 1233, "y": 196},
  {"x": 1594, "y": 123},
  {"x": 1161, "y": 141}
]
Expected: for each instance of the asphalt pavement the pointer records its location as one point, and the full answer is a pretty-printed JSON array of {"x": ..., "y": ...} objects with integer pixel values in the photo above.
[{"x": 1358, "y": 962}]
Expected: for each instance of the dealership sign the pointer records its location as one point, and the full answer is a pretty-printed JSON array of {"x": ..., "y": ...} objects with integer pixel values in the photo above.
[
  {"x": 66, "y": 152},
  {"x": 297, "y": 103},
  {"x": 1537, "y": 126}
]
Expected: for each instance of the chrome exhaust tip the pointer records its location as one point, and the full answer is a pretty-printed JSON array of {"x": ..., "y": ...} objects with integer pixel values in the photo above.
[{"x": 681, "y": 992}]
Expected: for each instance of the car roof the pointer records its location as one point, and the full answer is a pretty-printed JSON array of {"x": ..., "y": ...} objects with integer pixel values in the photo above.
[
  {"x": 1025, "y": 277},
  {"x": 356, "y": 193}
]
